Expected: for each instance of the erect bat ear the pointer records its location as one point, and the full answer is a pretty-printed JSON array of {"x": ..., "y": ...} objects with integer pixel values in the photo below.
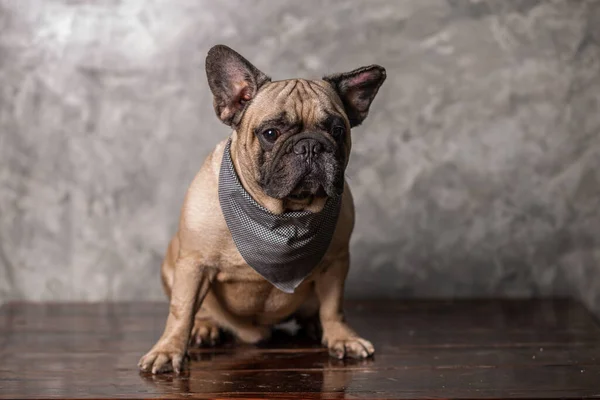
[
  {"x": 357, "y": 89},
  {"x": 233, "y": 82}
]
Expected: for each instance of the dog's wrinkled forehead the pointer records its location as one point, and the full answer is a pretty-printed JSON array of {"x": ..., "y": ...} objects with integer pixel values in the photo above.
[
  {"x": 298, "y": 101},
  {"x": 237, "y": 85}
]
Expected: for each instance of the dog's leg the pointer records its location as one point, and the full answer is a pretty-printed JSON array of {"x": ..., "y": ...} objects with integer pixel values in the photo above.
[
  {"x": 205, "y": 331},
  {"x": 307, "y": 316},
  {"x": 190, "y": 285},
  {"x": 341, "y": 340}
]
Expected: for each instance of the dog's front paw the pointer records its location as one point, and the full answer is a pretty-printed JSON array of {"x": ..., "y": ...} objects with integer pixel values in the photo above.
[
  {"x": 343, "y": 342},
  {"x": 163, "y": 358},
  {"x": 354, "y": 347}
]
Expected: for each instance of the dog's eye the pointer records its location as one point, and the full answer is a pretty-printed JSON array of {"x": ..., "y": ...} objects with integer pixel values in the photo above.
[
  {"x": 337, "y": 132},
  {"x": 271, "y": 135}
]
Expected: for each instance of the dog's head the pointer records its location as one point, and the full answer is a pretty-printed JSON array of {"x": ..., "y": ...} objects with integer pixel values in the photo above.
[{"x": 292, "y": 139}]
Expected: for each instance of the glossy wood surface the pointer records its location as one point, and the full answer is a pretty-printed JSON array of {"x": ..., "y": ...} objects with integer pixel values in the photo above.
[{"x": 424, "y": 349}]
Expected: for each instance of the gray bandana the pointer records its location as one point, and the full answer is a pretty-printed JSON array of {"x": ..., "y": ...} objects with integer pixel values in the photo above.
[{"x": 284, "y": 248}]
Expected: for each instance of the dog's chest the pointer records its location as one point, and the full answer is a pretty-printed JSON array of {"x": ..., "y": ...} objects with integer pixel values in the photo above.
[{"x": 259, "y": 299}]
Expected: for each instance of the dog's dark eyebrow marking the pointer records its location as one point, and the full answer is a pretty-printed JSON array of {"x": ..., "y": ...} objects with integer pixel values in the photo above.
[
  {"x": 330, "y": 121},
  {"x": 281, "y": 122}
]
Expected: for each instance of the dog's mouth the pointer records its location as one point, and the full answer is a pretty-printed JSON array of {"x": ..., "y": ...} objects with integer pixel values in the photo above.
[
  {"x": 304, "y": 195},
  {"x": 298, "y": 181},
  {"x": 300, "y": 196}
]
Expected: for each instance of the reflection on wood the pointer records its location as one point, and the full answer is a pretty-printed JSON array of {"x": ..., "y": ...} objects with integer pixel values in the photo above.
[{"x": 425, "y": 349}]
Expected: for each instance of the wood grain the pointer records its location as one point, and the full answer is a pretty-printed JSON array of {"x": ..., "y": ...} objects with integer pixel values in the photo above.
[{"x": 477, "y": 349}]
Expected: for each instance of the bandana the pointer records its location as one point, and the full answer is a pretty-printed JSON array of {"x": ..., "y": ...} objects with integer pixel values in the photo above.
[{"x": 284, "y": 248}]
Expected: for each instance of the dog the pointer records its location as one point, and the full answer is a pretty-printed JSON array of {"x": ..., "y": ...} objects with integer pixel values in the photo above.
[{"x": 265, "y": 226}]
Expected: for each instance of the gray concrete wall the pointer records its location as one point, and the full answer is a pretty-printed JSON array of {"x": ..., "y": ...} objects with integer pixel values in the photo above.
[{"x": 476, "y": 174}]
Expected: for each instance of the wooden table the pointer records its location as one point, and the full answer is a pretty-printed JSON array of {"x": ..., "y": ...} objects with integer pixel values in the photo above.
[{"x": 424, "y": 349}]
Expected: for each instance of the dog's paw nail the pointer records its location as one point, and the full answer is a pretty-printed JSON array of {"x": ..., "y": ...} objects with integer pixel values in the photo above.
[
  {"x": 144, "y": 364},
  {"x": 352, "y": 347}
]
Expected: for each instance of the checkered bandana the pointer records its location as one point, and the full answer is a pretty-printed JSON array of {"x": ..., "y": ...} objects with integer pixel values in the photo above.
[{"x": 284, "y": 248}]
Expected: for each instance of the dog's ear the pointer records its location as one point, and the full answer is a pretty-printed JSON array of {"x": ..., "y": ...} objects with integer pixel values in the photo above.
[
  {"x": 233, "y": 82},
  {"x": 357, "y": 89}
]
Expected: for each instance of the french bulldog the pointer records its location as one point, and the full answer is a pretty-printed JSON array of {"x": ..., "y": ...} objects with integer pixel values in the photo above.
[{"x": 265, "y": 226}]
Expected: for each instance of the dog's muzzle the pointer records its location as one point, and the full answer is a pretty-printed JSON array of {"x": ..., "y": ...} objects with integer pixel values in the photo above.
[{"x": 308, "y": 145}]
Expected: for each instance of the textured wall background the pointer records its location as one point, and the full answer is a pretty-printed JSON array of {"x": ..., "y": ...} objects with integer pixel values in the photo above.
[{"x": 477, "y": 172}]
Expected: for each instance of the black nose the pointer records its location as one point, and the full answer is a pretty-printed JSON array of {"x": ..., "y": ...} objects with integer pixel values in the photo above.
[{"x": 307, "y": 148}]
